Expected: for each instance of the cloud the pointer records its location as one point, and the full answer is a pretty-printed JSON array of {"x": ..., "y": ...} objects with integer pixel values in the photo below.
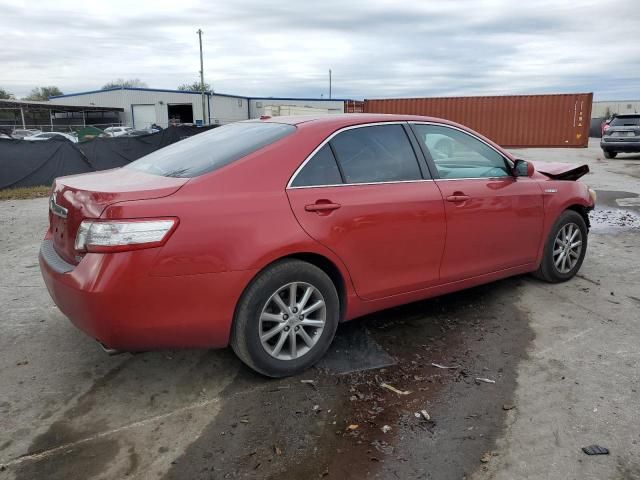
[{"x": 285, "y": 48}]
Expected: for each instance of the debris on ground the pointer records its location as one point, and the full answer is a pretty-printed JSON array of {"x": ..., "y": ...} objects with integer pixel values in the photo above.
[
  {"x": 394, "y": 389},
  {"x": 423, "y": 414},
  {"x": 508, "y": 406},
  {"x": 595, "y": 450},
  {"x": 386, "y": 429},
  {"x": 484, "y": 380},
  {"x": 277, "y": 450},
  {"x": 353, "y": 427},
  {"x": 486, "y": 457},
  {"x": 311, "y": 383},
  {"x": 437, "y": 365}
]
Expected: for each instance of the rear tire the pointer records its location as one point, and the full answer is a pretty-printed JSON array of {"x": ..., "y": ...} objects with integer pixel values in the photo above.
[
  {"x": 609, "y": 154},
  {"x": 274, "y": 332},
  {"x": 563, "y": 255}
]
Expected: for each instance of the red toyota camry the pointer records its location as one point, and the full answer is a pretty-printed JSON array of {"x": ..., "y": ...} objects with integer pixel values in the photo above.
[{"x": 266, "y": 234}]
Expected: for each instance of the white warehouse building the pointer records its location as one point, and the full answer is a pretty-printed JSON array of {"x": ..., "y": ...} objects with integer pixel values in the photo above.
[{"x": 146, "y": 106}]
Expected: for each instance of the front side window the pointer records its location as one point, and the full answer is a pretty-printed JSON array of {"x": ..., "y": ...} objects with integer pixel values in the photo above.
[
  {"x": 208, "y": 151},
  {"x": 379, "y": 153},
  {"x": 457, "y": 154},
  {"x": 321, "y": 169}
]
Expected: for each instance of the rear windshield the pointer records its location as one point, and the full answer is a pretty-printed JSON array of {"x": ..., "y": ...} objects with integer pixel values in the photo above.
[
  {"x": 211, "y": 150},
  {"x": 625, "y": 121}
]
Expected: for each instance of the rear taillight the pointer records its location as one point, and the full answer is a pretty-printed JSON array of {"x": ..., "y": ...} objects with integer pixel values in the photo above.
[{"x": 121, "y": 235}]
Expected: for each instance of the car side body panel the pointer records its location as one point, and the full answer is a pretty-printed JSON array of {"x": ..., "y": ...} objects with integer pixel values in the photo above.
[
  {"x": 390, "y": 235},
  {"x": 498, "y": 227}
]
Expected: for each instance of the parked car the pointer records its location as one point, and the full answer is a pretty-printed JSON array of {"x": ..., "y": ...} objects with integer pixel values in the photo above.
[
  {"x": 140, "y": 132},
  {"x": 38, "y": 137},
  {"x": 266, "y": 234},
  {"x": 621, "y": 135},
  {"x": 21, "y": 133},
  {"x": 117, "y": 131}
]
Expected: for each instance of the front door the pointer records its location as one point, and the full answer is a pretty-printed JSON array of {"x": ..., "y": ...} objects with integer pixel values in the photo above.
[
  {"x": 494, "y": 220},
  {"x": 365, "y": 196}
]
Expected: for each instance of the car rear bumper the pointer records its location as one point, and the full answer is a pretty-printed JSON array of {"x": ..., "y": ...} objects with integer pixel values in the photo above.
[
  {"x": 113, "y": 299},
  {"x": 624, "y": 147}
]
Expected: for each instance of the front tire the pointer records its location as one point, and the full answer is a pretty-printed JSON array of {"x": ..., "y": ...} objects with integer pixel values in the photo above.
[
  {"x": 564, "y": 249},
  {"x": 609, "y": 154},
  {"x": 286, "y": 319}
]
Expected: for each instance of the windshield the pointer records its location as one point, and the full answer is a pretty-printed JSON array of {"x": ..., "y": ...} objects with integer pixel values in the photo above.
[
  {"x": 625, "y": 121},
  {"x": 211, "y": 150}
]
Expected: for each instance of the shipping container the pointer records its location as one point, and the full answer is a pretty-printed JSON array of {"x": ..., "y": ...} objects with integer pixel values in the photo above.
[
  {"x": 353, "y": 106},
  {"x": 560, "y": 120}
]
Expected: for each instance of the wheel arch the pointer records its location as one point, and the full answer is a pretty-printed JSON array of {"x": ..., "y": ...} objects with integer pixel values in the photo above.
[
  {"x": 583, "y": 211},
  {"x": 323, "y": 263},
  {"x": 328, "y": 267}
]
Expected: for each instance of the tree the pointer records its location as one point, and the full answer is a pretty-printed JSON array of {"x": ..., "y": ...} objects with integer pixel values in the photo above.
[
  {"x": 42, "y": 94},
  {"x": 4, "y": 95},
  {"x": 194, "y": 87},
  {"x": 121, "y": 82}
]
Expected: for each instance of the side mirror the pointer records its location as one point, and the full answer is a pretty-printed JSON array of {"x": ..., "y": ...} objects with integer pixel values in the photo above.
[{"x": 522, "y": 168}]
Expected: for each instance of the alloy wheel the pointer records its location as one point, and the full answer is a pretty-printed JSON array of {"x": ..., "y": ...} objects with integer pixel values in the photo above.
[
  {"x": 567, "y": 248},
  {"x": 292, "y": 321}
]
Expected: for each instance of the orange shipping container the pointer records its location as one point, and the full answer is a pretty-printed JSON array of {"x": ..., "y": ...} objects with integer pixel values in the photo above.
[{"x": 560, "y": 120}]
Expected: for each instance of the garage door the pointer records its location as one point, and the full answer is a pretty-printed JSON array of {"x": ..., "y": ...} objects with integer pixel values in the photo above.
[{"x": 143, "y": 115}]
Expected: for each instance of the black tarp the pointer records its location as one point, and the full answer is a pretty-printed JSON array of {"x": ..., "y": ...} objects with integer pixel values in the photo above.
[{"x": 26, "y": 163}]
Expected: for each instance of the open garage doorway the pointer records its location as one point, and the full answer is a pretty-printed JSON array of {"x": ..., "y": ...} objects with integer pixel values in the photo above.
[{"x": 180, "y": 113}]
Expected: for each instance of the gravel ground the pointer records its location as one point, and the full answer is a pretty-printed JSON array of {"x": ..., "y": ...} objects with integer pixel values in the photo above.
[{"x": 564, "y": 359}]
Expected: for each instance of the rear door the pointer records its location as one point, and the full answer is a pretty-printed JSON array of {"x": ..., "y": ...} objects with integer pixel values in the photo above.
[
  {"x": 365, "y": 195},
  {"x": 494, "y": 220}
]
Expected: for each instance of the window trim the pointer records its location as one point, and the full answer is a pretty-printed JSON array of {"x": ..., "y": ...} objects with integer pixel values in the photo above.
[
  {"x": 431, "y": 163},
  {"x": 345, "y": 184}
]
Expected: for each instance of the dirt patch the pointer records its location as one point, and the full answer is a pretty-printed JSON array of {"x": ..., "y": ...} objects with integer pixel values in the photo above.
[
  {"x": 24, "y": 193},
  {"x": 348, "y": 426}
]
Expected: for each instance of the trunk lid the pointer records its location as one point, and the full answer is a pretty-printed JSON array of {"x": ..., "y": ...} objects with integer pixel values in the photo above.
[
  {"x": 78, "y": 197},
  {"x": 561, "y": 171}
]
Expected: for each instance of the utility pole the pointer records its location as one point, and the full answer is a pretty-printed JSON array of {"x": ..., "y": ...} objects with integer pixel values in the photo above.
[
  {"x": 204, "y": 115},
  {"x": 329, "y": 84}
]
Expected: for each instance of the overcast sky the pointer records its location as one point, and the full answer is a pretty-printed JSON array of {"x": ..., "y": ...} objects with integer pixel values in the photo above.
[{"x": 376, "y": 48}]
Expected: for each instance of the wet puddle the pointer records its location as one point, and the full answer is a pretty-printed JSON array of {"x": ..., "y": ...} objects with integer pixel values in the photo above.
[{"x": 616, "y": 211}]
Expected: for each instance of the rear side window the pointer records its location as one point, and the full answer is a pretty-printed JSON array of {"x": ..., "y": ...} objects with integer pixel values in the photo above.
[
  {"x": 380, "y": 153},
  {"x": 625, "y": 121},
  {"x": 211, "y": 150},
  {"x": 321, "y": 169}
]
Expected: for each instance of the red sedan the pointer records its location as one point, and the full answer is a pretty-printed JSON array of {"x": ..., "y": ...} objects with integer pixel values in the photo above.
[{"x": 266, "y": 234}]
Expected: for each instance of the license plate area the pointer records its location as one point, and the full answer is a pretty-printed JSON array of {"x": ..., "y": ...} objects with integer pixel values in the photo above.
[
  {"x": 59, "y": 229},
  {"x": 623, "y": 134}
]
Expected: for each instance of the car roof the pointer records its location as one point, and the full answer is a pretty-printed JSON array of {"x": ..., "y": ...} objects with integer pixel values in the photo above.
[{"x": 347, "y": 119}]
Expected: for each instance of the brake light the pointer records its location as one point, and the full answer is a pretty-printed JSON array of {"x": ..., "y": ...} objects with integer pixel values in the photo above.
[{"x": 101, "y": 236}]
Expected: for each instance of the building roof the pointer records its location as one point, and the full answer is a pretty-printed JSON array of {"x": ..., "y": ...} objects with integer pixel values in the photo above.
[
  {"x": 198, "y": 93},
  {"x": 30, "y": 105}
]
